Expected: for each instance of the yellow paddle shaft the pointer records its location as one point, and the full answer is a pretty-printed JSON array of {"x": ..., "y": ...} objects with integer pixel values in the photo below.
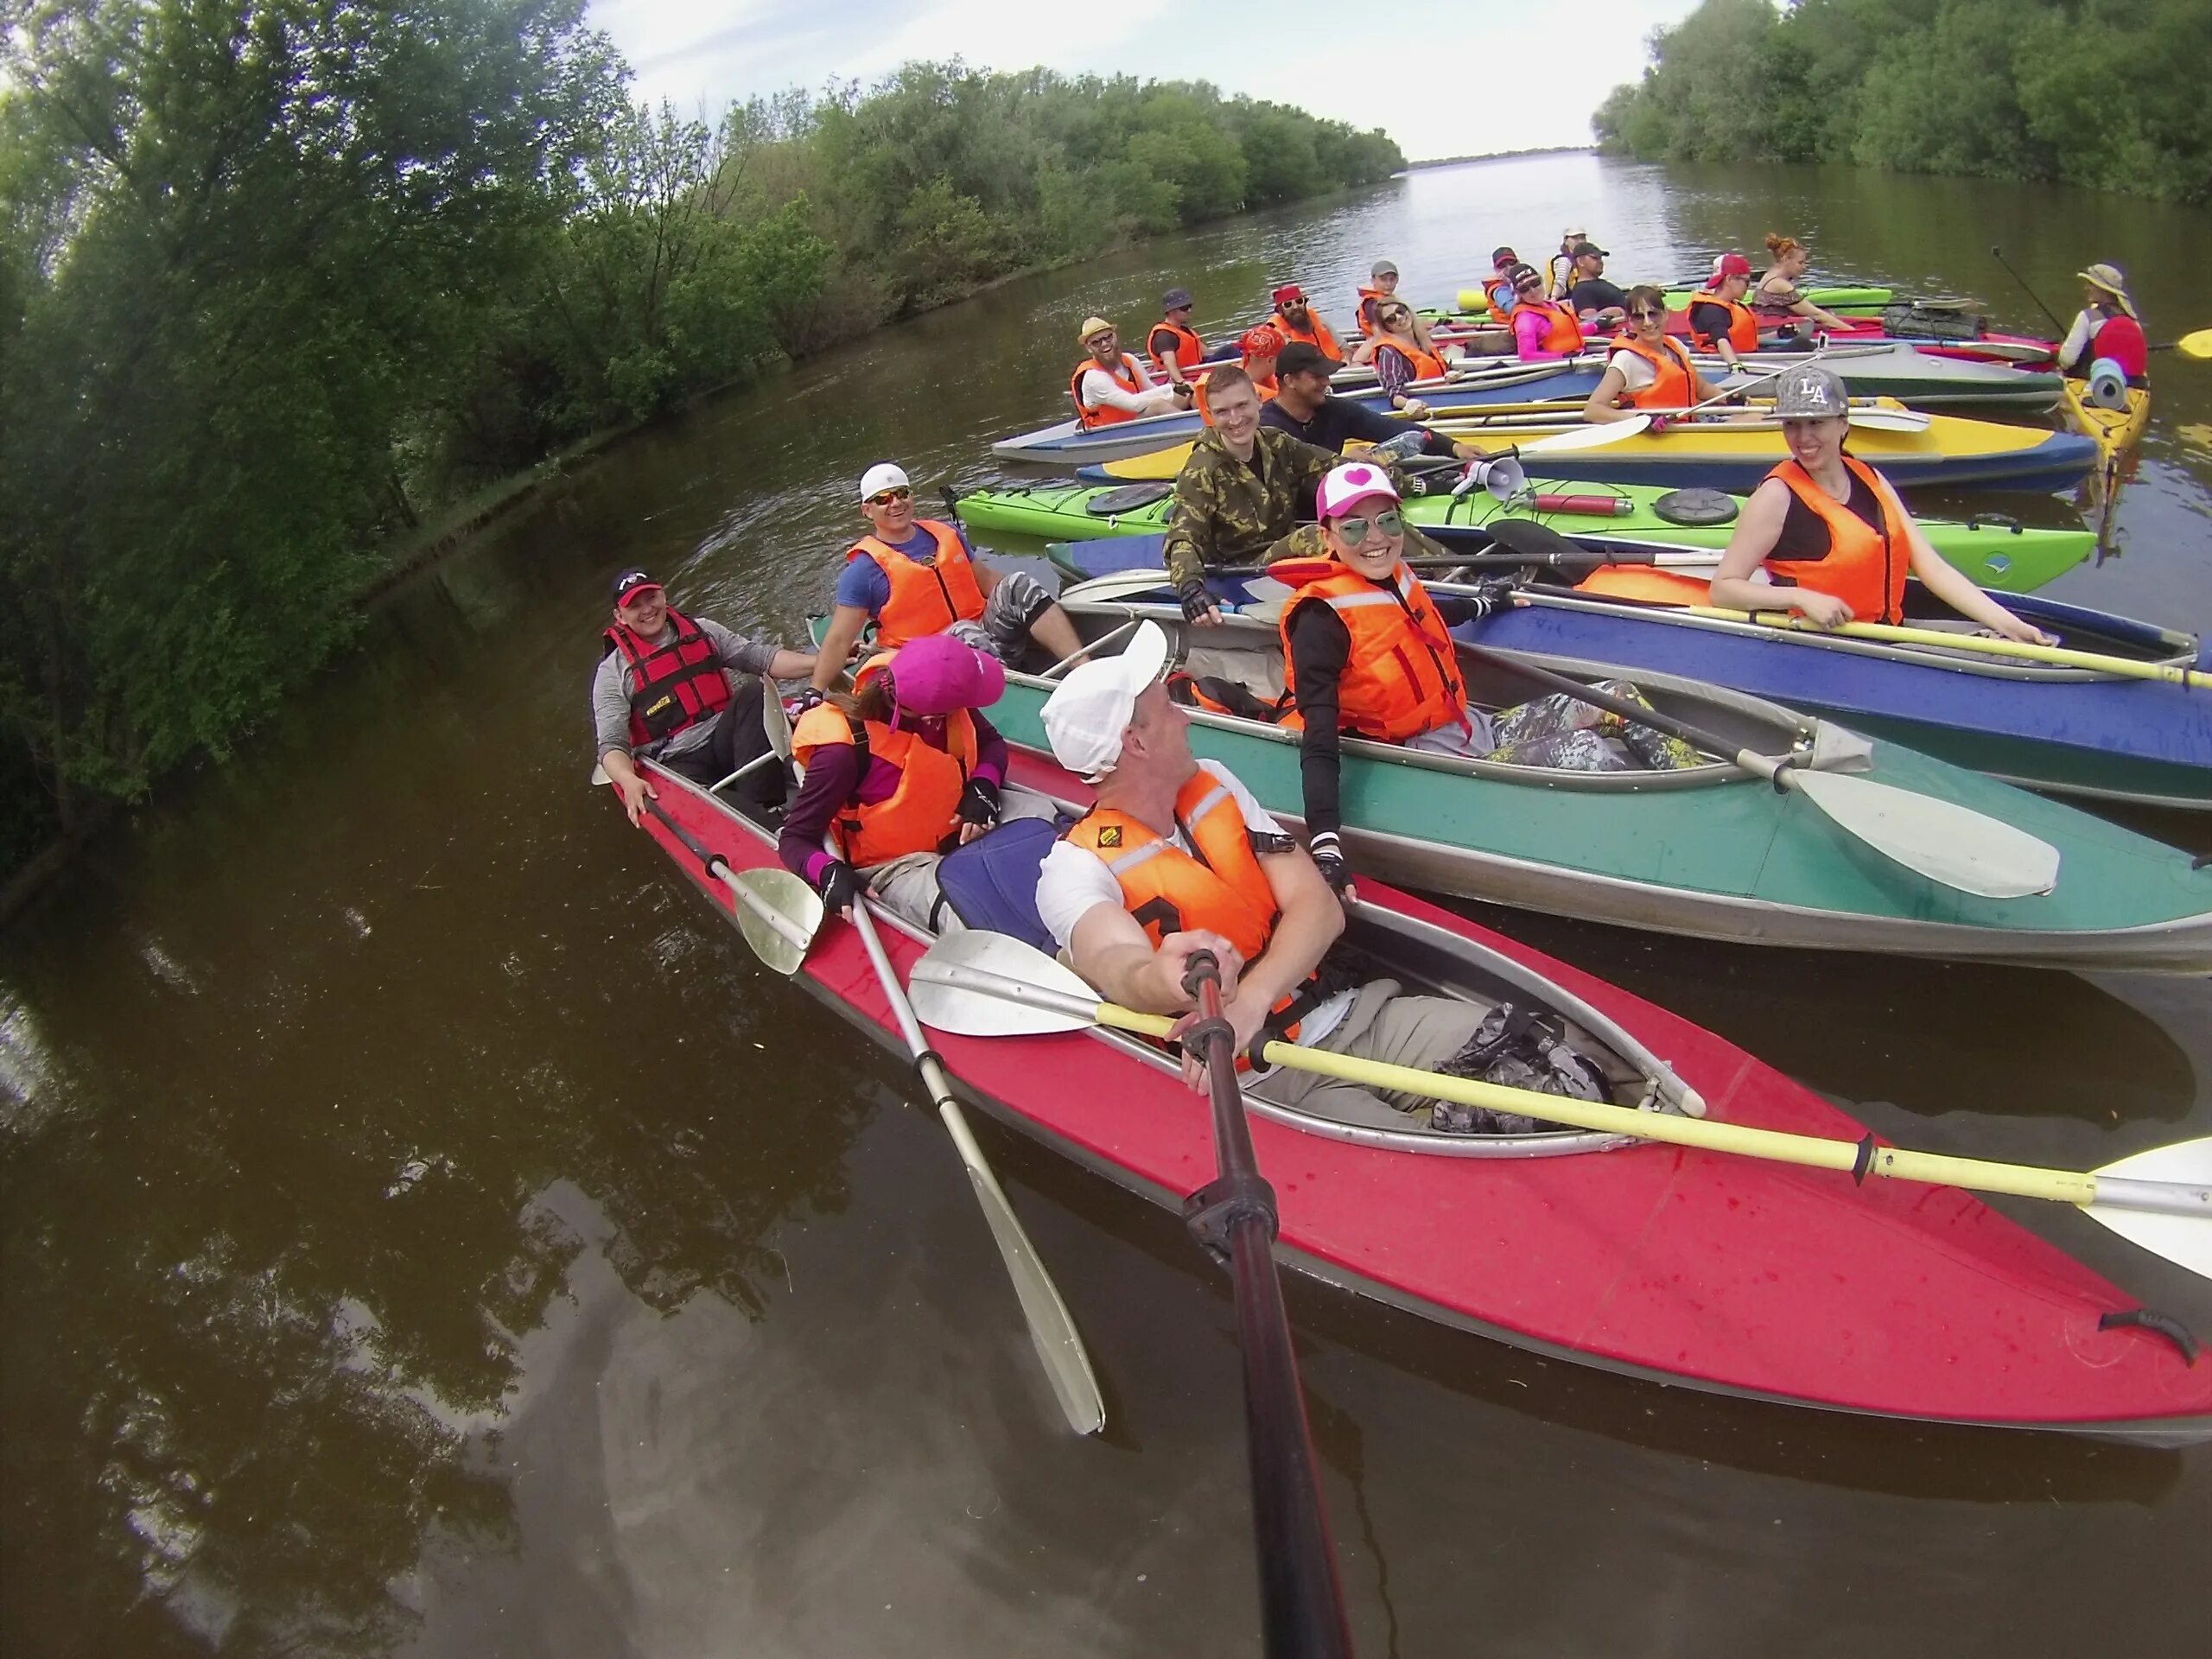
[
  {"x": 1776, "y": 1146},
  {"x": 2057, "y": 656}
]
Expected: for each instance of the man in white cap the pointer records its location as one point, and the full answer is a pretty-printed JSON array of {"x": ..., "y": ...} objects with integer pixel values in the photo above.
[
  {"x": 916, "y": 577},
  {"x": 1177, "y": 856}
]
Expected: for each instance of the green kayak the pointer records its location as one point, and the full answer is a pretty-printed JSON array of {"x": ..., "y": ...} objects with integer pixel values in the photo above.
[
  {"x": 1474, "y": 304},
  {"x": 1998, "y": 552},
  {"x": 1709, "y": 850}
]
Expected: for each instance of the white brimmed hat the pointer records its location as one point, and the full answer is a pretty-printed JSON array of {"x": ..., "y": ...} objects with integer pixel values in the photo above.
[
  {"x": 1089, "y": 709},
  {"x": 883, "y": 475}
]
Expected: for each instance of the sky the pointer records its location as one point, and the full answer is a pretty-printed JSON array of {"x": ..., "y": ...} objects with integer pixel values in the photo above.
[{"x": 1349, "y": 61}]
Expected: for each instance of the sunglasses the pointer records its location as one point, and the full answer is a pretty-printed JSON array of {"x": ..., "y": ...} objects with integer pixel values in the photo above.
[
  {"x": 1528, "y": 284},
  {"x": 1396, "y": 316},
  {"x": 1645, "y": 314},
  {"x": 1354, "y": 530},
  {"x": 884, "y": 498}
]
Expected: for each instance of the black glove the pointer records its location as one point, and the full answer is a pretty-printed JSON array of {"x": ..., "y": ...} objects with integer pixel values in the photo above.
[
  {"x": 841, "y": 885},
  {"x": 808, "y": 698},
  {"x": 1329, "y": 856},
  {"x": 1488, "y": 596},
  {"x": 1196, "y": 602},
  {"x": 979, "y": 802}
]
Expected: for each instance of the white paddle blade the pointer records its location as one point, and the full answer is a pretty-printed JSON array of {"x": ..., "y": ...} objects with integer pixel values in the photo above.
[
  {"x": 979, "y": 984},
  {"x": 1890, "y": 420},
  {"x": 599, "y": 775},
  {"x": 777, "y": 720},
  {"x": 1116, "y": 584},
  {"x": 778, "y": 914},
  {"x": 1941, "y": 840},
  {"x": 1596, "y": 435},
  {"x": 2180, "y": 1229}
]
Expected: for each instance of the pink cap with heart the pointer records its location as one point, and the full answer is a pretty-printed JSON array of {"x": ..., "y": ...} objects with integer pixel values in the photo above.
[{"x": 1347, "y": 485}]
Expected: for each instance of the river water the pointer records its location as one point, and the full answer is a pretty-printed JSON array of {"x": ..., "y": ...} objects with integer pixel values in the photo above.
[{"x": 428, "y": 1230}]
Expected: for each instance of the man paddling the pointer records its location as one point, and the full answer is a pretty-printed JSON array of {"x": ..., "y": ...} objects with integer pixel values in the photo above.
[
  {"x": 1304, "y": 406},
  {"x": 1177, "y": 856},
  {"x": 1239, "y": 498},
  {"x": 667, "y": 689},
  {"x": 915, "y": 576}
]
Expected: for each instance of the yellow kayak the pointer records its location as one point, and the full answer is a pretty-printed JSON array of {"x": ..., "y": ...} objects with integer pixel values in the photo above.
[
  {"x": 1951, "y": 452},
  {"x": 2114, "y": 430}
]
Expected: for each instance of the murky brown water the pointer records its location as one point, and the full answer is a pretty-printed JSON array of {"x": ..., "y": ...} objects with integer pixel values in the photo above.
[{"x": 427, "y": 1229}]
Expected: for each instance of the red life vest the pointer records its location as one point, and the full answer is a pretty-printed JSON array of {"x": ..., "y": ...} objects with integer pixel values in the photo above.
[
  {"x": 1366, "y": 314},
  {"x": 1562, "y": 328},
  {"x": 1318, "y": 336},
  {"x": 925, "y": 599},
  {"x": 1424, "y": 365},
  {"x": 1673, "y": 376},
  {"x": 1189, "y": 348},
  {"x": 670, "y": 686},
  {"x": 1125, "y": 374},
  {"x": 1864, "y": 567},
  {"x": 921, "y": 812},
  {"x": 1401, "y": 676},
  {"x": 1743, "y": 324},
  {"x": 2121, "y": 340}
]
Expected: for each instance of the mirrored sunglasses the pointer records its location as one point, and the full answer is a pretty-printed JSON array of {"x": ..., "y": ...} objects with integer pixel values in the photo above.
[
  {"x": 1354, "y": 530},
  {"x": 884, "y": 498}
]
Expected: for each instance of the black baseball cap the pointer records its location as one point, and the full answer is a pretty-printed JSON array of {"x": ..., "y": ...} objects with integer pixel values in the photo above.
[
  {"x": 1582, "y": 250},
  {"x": 1502, "y": 257},
  {"x": 628, "y": 583},
  {"x": 1302, "y": 357}
]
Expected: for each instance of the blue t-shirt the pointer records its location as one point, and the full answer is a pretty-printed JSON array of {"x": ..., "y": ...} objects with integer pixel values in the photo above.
[{"x": 862, "y": 582}]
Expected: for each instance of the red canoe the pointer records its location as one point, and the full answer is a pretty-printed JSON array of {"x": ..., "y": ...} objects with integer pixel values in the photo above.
[{"x": 1684, "y": 1267}]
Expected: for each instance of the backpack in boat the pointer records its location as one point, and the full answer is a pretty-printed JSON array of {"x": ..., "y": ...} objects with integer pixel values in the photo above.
[
  {"x": 1925, "y": 322},
  {"x": 1224, "y": 697},
  {"x": 1518, "y": 1048},
  {"x": 991, "y": 883}
]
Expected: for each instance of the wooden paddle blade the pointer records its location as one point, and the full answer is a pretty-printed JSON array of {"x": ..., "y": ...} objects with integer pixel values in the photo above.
[
  {"x": 2183, "y": 1172},
  {"x": 979, "y": 984},
  {"x": 1595, "y": 435},
  {"x": 1941, "y": 840},
  {"x": 797, "y": 906}
]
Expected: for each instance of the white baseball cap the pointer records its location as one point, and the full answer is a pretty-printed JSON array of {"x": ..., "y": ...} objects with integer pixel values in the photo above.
[
  {"x": 1353, "y": 481},
  {"x": 1089, "y": 709},
  {"x": 883, "y": 475}
]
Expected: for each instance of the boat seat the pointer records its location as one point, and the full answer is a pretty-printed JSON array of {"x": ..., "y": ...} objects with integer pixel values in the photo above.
[{"x": 991, "y": 883}]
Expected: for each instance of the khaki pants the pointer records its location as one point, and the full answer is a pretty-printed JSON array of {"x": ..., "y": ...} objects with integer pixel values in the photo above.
[{"x": 1383, "y": 1025}]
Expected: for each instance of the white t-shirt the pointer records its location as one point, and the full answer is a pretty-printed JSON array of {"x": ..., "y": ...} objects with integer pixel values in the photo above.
[
  {"x": 1637, "y": 372},
  {"x": 1073, "y": 881}
]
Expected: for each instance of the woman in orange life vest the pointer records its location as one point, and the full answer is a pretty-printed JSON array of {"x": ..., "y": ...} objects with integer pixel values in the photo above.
[
  {"x": 1542, "y": 328},
  {"x": 1403, "y": 353},
  {"x": 1366, "y": 650},
  {"x": 912, "y": 577},
  {"x": 1830, "y": 535},
  {"x": 1295, "y": 319},
  {"x": 1384, "y": 278},
  {"x": 1720, "y": 321},
  {"x": 1777, "y": 289},
  {"x": 1258, "y": 347},
  {"x": 1175, "y": 857},
  {"x": 904, "y": 768},
  {"x": 1174, "y": 349},
  {"x": 1647, "y": 369},
  {"x": 1109, "y": 387},
  {"x": 666, "y": 691}
]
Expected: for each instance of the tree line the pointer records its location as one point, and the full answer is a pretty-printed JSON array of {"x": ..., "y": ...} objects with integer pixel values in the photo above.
[
  {"x": 280, "y": 281},
  {"x": 2103, "y": 93}
]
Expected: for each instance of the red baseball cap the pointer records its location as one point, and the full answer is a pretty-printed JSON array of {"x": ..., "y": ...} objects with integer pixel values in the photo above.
[{"x": 1727, "y": 265}]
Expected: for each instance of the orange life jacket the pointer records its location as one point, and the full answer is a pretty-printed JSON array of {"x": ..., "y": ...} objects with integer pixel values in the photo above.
[
  {"x": 1743, "y": 324},
  {"x": 1499, "y": 293},
  {"x": 1126, "y": 375},
  {"x": 1563, "y": 331},
  {"x": 1865, "y": 568},
  {"x": 1673, "y": 377},
  {"x": 1401, "y": 676},
  {"x": 1266, "y": 388},
  {"x": 1643, "y": 582},
  {"x": 669, "y": 687},
  {"x": 1189, "y": 348},
  {"x": 1425, "y": 365},
  {"x": 926, "y": 599},
  {"x": 923, "y": 811},
  {"x": 1365, "y": 314},
  {"x": 1318, "y": 336}
]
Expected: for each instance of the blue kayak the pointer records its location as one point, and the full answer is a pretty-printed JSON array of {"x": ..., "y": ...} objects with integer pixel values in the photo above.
[{"x": 2064, "y": 731}]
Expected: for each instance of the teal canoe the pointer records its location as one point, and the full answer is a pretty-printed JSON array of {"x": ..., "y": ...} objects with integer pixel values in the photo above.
[{"x": 1997, "y": 551}]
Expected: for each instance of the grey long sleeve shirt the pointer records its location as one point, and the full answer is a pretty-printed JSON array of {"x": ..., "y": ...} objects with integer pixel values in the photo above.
[{"x": 610, "y": 692}]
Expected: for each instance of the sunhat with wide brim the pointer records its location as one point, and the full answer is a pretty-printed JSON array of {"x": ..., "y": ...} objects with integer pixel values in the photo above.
[{"x": 2108, "y": 278}]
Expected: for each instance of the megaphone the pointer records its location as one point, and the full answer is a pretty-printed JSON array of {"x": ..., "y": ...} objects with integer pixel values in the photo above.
[{"x": 1505, "y": 477}]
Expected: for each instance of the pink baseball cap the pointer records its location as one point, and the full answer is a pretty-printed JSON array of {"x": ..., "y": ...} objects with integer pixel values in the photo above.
[
  {"x": 1353, "y": 482},
  {"x": 937, "y": 674}
]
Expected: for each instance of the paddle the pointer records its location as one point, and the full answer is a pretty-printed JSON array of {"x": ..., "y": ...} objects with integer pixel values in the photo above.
[
  {"x": 1997, "y": 254},
  {"x": 2026, "y": 651},
  {"x": 989, "y": 985},
  {"x": 778, "y": 913},
  {"x": 1233, "y": 1220},
  {"x": 1941, "y": 840},
  {"x": 2198, "y": 345}
]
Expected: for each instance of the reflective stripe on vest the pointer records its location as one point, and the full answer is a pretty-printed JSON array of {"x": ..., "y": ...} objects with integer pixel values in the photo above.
[
  {"x": 926, "y": 599},
  {"x": 1743, "y": 324},
  {"x": 672, "y": 686},
  {"x": 1402, "y": 675},
  {"x": 1562, "y": 330},
  {"x": 1865, "y": 568},
  {"x": 1125, "y": 374},
  {"x": 1189, "y": 348},
  {"x": 1317, "y": 336},
  {"x": 1673, "y": 376},
  {"x": 923, "y": 809}
]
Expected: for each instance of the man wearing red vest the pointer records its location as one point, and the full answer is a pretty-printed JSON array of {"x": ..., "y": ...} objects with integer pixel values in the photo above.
[
  {"x": 667, "y": 689},
  {"x": 914, "y": 576},
  {"x": 1177, "y": 856}
]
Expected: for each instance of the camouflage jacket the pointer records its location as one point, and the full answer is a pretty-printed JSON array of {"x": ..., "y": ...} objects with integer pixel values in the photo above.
[{"x": 1230, "y": 512}]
